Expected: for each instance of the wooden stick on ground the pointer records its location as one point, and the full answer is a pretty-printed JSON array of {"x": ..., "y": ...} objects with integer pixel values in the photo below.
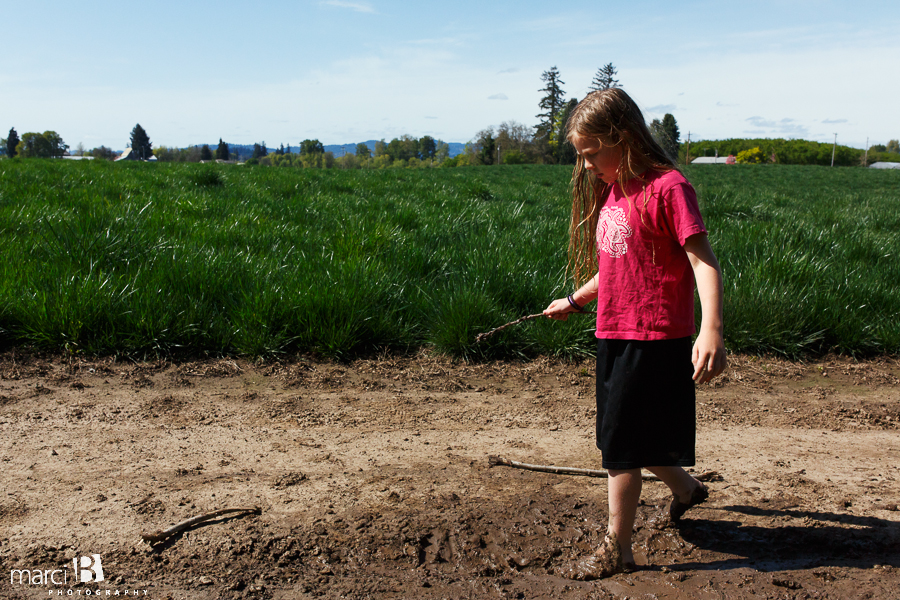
[
  {"x": 163, "y": 534},
  {"x": 499, "y": 461}
]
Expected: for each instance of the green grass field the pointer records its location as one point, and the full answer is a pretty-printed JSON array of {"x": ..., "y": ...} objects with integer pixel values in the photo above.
[{"x": 142, "y": 259}]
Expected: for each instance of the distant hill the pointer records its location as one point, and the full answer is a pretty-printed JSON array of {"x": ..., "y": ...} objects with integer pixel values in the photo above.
[
  {"x": 246, "y": 150},
  {"x": 340, "y": 149}
]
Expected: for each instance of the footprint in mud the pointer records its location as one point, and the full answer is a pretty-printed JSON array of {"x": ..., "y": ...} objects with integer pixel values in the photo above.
[
  {"x": 442, "y": 546},
  {"x": 439, "y": 546},
  {"x": 497, "y": 556}
]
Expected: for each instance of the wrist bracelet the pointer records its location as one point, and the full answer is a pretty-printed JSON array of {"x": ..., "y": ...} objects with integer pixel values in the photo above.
[{"x": 574, "y": 304}]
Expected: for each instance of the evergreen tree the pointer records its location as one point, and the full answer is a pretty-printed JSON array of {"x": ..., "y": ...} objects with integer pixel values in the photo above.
[
  {"x": 205, "y": 152},
  {"x": 666, "y": 133},
  {"x": 362, "y": 151},
  {"x": 427, "y": 147},
  {"x": 670, "y": 127},
  {"x": 565, "y": 151},
  {"x": 280, "y": 151},
  {"x": 140, "y": 143},
  {"x": 551, "y": 104},
  {"x": 11, "y": 142},
  {"x": 657, "y": 132},
  {"x": 222, "y": 150},
  {"x": 605, "y": 78},
  {"x": 259, "y": 150},
  {"x": 488, "y": 146}
]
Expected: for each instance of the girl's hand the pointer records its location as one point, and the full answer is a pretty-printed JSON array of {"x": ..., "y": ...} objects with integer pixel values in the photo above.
[
  {"x": 559, "y": 309},
  {"x": 708, "y": 355}
]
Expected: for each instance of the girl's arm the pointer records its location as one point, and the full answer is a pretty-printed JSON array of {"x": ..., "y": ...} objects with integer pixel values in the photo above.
[
  {"x": 709, "y": 348},
  {"x": 559, "y": 309}
]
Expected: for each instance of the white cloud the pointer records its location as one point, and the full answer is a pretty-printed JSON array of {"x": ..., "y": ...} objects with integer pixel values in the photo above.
[
  {"x": 500, "y": 96},
  {"x": 363, "y": 7},
  {"x": 786, "y": 126},
  {"x": 444, "y": 42}
]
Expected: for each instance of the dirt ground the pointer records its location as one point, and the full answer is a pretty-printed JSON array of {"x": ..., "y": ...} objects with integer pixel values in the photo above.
[{"x": 372, "y": 480}]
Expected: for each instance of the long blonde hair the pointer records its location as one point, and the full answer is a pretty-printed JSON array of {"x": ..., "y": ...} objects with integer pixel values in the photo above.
[{"x": 611, "y": 117}]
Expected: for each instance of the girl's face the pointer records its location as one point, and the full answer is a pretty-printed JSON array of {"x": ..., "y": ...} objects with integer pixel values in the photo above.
[{"x": 602, "y": 161}]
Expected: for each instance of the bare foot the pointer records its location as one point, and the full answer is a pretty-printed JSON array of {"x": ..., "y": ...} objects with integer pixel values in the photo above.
[
  {"x": 677, "y": 506},
  {"x": 605, "y": 562}
]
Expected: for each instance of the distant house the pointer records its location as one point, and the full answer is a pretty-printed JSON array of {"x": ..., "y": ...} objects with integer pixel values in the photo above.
[
  {"x": 710, "y": 160},
  {"x": 129, "y": 155},
  {"x": 885, "y": 165}
]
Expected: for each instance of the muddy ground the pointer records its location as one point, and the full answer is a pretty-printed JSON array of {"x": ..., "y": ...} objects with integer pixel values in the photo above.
[{"x": 372, "y": 480}]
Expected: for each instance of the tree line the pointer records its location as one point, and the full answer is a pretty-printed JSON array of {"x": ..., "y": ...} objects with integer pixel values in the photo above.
[
  {"x": 547, "y": 142},
  {"x": 34, "y": 145},
  {"x": 508, "y": 143},
  {"x": 51, "y": 145},
  {"x": 790, "y": 152}
]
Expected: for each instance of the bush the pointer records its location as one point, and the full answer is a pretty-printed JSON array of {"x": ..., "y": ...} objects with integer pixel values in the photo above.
[
  {"x": 753, "y": 156},
  {"x": 514, "y": 157}
]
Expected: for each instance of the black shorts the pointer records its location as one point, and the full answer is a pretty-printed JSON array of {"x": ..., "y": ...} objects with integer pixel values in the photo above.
[{"x": 645, "y": 403}]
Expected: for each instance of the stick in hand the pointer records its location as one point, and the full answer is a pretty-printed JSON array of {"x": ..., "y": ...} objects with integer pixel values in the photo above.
[{"x": 483, "y": 336}]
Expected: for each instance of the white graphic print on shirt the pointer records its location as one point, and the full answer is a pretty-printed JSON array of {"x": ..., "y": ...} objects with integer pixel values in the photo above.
[{"x": 613, "y": 230}]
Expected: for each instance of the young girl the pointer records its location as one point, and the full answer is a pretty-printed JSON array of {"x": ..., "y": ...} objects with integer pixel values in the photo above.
[{"x": 637, "y": 217}]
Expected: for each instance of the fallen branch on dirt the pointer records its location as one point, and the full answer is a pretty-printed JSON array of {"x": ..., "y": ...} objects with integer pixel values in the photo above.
[
  {"x": 499, "y": 461},
  {"x": 161, "y": 535}
]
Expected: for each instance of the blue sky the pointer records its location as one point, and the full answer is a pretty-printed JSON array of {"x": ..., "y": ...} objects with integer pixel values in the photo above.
[{"x": 345, "y": 71}]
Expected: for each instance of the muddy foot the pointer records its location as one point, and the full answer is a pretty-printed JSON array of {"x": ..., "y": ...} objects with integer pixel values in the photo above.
[
  {"x": 676, "y": 508},
  {"x": 605, "y": 562}
]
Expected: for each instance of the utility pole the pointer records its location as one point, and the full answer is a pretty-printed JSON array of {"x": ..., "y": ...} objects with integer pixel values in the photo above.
[
  {"x": 687, "y": 154},
  {"x": 866, "y": 159},
  {"x": 833, "y": 148},
  {"x": 498, "y": 153}
]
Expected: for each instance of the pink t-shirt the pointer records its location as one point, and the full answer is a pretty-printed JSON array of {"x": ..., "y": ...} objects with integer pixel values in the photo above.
[{"x": 646, "y": 283}]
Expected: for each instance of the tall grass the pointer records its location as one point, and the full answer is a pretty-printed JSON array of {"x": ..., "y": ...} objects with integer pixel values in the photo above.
[
  {"x": 168, "y": 258},
  {"x": 809, "y": 255}
]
